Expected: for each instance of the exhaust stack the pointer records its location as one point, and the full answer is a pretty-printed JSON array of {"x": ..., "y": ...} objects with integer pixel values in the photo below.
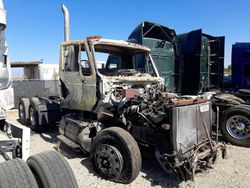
[{"x": 66, "y": 23}]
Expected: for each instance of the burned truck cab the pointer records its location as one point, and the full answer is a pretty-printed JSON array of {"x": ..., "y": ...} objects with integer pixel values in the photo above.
[{"x": 87, "y": 82}]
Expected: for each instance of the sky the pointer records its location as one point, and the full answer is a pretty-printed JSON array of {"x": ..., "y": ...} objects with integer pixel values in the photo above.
[{"x": 35, "y": 27}]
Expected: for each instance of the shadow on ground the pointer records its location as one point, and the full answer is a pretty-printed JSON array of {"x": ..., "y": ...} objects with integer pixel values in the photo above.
[
  {"x": 49, "y": 135},
  {"x": 151, "y": 171}
]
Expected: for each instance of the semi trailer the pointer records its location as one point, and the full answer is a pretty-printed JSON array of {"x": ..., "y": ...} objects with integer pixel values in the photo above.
[{"x": 107, "y": 112}]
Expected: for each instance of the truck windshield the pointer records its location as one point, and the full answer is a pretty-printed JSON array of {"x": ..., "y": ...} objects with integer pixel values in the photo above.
[{"x": 123, "y": 61}]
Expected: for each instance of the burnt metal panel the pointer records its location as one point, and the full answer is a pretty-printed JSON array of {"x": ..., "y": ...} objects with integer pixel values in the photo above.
[
  {"x": 215, "y": 60},
  {"x": 187, "y": 126},
  {"x": 162, "y": 42},
  {"x": 189, "y": 47},
  {"x": 201, "y": 62}
]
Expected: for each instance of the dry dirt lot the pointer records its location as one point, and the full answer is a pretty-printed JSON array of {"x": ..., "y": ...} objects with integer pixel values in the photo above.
[{"x": 231, "y": 172}]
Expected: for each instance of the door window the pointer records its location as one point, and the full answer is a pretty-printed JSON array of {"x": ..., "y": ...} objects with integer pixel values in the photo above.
[
  {"x": 85, "y": 65},
  {"x": 71, "y": 58}
]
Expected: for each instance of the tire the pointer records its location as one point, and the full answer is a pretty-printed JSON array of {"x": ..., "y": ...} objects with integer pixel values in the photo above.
[
  {"x": 117, "y": 148},
  {"x": 23, "y": 110},
  {"x": 52, "y": 170},
  {"x": 16, "y": 174},
  {"x": 33, "y": 115},
  {"x": 2, "y": 124},
  {"x": 235, "y": 125}
]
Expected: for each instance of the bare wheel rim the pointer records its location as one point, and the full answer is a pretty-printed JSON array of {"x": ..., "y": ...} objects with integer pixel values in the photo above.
[
  {"x": 32, "y": 117},
  {"x": 109, "y": 161},
  {"x": 21, "y": 111},
  {"x": 238, "y": 127}
]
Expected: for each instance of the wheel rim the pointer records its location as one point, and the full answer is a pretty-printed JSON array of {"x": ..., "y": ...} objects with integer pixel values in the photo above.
[
  {"x": 109, "y": 161},
  {"x": 21, "y": 112},
  {"x": 32, "y": 117},
  {"x": 238, "y": 127}
]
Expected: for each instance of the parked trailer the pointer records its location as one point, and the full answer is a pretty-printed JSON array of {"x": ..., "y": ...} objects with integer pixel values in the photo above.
[
  {"x": 199, "y": 69},
  {"x": 107, "y": 112}
]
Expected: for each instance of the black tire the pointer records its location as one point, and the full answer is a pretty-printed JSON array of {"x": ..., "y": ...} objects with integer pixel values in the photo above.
[
  {"x": 33, "y": 115},
  {"x": 23, "y": 110},
  {"x": 16, "y": 174},
  {"x": 235, "y": 125},
  {"x": 2, "y": 124},
  {"x": 52, "y": 170},
  {"x": 120, "y": 142}
]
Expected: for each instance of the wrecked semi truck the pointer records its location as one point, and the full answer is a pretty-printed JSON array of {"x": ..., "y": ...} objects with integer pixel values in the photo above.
[
  {"x": 108, "y": 111},
  {"x": 197, "y": 68}
]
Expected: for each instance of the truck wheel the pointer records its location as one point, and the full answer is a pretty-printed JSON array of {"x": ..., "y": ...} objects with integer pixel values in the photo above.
[
  {"x": 52, "y": 170},
  {"x": 235, "y": 126},
  {"x": 33, "y": 115},
  {"x": 16, "y": 174},
  {"x": 23, "y": 110},
  {"x": 116, "y": 155},
  {"x": 33, "y": 118}
]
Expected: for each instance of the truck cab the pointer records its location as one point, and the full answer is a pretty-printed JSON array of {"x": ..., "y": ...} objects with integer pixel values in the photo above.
[{"x": 86, "y": 84}]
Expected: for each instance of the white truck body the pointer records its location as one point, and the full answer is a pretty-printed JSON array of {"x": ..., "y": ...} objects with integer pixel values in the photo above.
[
  {"x": 16, "y": 133},
  {"x": 6, "y": 90}
]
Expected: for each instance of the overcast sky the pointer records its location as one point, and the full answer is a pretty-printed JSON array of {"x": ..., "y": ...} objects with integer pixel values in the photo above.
[{"x": 35, "y": 27}]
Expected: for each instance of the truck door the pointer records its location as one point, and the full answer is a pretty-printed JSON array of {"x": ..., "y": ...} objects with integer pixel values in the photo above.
[{"x": 77, "y": 78}]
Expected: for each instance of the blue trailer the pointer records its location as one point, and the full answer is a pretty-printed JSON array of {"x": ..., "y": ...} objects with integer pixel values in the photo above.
[{"x": 241, "y": 65}]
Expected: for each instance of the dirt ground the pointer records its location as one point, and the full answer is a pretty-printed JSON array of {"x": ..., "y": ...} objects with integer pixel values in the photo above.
[{"x": 229, "y": 173}]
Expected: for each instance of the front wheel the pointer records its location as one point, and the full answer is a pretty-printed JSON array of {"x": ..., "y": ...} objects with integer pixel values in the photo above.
[
  {"x": 116, "y": 155},
  {"x": 235, "y": 126}
]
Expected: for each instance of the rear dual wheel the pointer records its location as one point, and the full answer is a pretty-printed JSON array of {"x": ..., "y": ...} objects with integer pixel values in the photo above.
[
  {"x": 33, "y": 119},
  {"x": 28, "y": 113},
  {"x": 23, "y": 110},
  {"x": 235, "y": 125}
]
